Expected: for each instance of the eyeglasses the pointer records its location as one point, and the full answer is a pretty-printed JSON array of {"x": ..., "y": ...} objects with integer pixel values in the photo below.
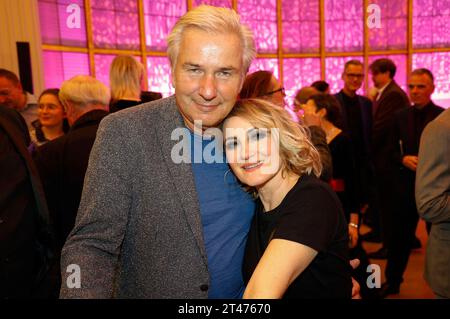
[
  {"x": 354, "y": 75},
  {"x": 275, "y": 91}
]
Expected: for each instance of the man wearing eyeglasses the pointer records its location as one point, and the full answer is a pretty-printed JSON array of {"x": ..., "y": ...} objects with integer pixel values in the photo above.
[
  {"x": 356, "y": 118},
  {"x": 408, "y": 127}
]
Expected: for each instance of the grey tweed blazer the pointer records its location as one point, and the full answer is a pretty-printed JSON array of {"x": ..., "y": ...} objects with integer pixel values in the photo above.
[
  {"x": 138, "y": 231},
  {"x": 433, "y": 200}
]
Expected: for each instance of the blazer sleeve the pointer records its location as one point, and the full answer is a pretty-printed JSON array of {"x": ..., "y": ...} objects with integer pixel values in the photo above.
[
  {"x": 95, "y": 242},
  {"x": 433, "y": 173},
  {"x": 319, "y": 140}
]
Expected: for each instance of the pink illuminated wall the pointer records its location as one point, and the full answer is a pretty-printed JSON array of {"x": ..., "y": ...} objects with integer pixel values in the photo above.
[
  {"x": 301, "y": 26},
  {"x": 216, "y": 3},
  {"x": 115, "y": 26},
  {"x": 431, "y": 27},
  {"x": 56, "y": 27},
  {"x": 159, "y": 79},
  {"x": 394, "y": 22},
  {"x": 343, "y": 25},
  {"x": 61, "y": 66},
  {"x": 299, "y": 73},
  {"x": 261, "y": 17},
  {"x": 160, "y": 17}
]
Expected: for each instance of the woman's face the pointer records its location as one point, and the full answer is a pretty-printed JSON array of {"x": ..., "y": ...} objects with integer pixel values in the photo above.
[
  {"x": 50, "y": 111},
  {"x": 310, "y": 107},
  {"x": 253, "y": 154},
  {"x": 278, "y": 96}
]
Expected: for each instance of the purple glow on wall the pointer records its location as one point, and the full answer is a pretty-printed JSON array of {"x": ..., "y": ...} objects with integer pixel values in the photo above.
[
  {"x": 431, "y": 23},
  {"x": 334, "y": 67},
  {"x": 159, "y": 79},
  {"x": 261, "y": 17},
  {"x": 115, "y": 24},
  {"x": 265, "y": 64},
  {"x": 63, "y": 66},
  {"x": 401, "y": 73},
  {"x": 55, "y": 29},
  {"x": 394, "y": 22},
  {"x": 215, "y": 3},
  {"x": 298, "y": 73},
  {"x": 160, "y": 17},
  {"x": 343, "y": 25},
  {"x": 301, "y": 27},
  {"x": 439, "y": 64}
]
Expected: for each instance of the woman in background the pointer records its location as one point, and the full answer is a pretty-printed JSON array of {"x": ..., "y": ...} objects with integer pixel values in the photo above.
[
  {"x": 297, "y": 246},
  {"x": 51, "y": 122},
  {"x": 344, "y": 178},
  {"x": 125, "y": 78},
  {"x": 263, "y": 84}
]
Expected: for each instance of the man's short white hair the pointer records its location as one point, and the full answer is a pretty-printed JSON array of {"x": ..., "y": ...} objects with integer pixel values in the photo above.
[
  {"x": 82, "y": 90},
  {"x": 213, "y": 20}
]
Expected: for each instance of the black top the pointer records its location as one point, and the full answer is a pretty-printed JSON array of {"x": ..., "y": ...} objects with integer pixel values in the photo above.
[
  {"x": 122, "y": 104},
  {"x": 310, "y": 214},
  {"x": 344, "y": 172}
]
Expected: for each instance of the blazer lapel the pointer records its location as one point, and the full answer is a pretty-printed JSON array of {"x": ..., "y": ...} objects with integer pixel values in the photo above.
[{"x": 182, "y": 176}]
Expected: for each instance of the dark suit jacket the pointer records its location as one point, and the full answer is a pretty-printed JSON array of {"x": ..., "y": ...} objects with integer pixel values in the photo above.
[
  {"x": 408, "y": 135},
  {"x": 22, "y": 210},
  {"x": 62, "y": 164},
  {"x": 362, "y": 154},
  {"x": 384, "y": 144}
]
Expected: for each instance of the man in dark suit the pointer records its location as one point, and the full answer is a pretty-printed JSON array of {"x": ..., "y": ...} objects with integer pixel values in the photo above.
[
  {"x": 62, "y": 163},
  {"x": 23, "y": 214},
  {"x": 389, "y": 99},
  {"x": 408, "y": 126},
  {"x": 356, "y": 120}
]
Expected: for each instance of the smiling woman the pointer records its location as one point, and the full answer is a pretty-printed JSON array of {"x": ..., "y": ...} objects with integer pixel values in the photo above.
[
  {"x": 52, "y": 122},
  {"x": 297, "y": 244}
]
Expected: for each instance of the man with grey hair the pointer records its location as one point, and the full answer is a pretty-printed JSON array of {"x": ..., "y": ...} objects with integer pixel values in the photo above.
[
  {"x": 409, "y": 124},
  {"x": 153, "y": 223},
  {"x": 149, "y": 226},
  {"x": 62, "y": 163}
]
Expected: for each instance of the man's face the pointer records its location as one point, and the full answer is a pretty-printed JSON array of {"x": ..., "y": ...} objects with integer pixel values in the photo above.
[
  {"x": 208, "y": 76},
  {"x": 11, "y": 95},
  {"x": 353, "y": 77},
  {"x": 420, "y": 89},
  {"x": 380, "y": 79}
]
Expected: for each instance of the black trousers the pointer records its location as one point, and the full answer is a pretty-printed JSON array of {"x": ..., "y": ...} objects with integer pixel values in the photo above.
[{"x": 404, "y": 224}]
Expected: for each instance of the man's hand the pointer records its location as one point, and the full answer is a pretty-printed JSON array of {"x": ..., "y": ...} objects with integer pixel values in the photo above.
[
  {"x": 410, "y": 161},
  {"x": 356, "y": 287}
]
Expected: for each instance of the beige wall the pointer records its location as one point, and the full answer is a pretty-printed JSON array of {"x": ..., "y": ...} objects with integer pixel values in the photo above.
[{"x": 19, "y": 22}]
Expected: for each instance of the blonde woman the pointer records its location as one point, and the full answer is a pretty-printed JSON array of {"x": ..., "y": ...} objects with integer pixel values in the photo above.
[
  {"x": 125, "y": 78},
  {"x": 298, "y": 243}
]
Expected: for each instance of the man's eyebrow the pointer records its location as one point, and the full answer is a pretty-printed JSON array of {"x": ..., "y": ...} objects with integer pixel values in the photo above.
[{"x": 190, "y": 65}]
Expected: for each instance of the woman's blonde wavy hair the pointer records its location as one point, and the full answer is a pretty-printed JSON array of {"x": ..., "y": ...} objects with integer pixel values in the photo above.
[{"x": 297, "y": 153}]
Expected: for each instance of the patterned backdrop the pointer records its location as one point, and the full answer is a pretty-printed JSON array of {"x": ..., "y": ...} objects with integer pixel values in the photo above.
[{"x": 115, "y": 25}]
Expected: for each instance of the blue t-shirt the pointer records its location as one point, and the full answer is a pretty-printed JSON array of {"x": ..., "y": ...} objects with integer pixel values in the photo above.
[{"x": 226, "y": 213}]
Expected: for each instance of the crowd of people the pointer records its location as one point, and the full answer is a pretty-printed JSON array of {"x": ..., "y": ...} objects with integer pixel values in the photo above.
[{"x": 89, "y": 178}]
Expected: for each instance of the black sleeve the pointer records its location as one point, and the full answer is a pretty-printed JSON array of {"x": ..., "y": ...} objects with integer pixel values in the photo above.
[
  {"x": 311, "y": 218},
  {"x": 350, "y": 178}
]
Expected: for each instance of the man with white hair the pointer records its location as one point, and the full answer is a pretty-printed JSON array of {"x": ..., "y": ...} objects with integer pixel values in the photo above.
[
  {"x": 149, "y": 224},
  {"x": 62, "y": 163}
]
